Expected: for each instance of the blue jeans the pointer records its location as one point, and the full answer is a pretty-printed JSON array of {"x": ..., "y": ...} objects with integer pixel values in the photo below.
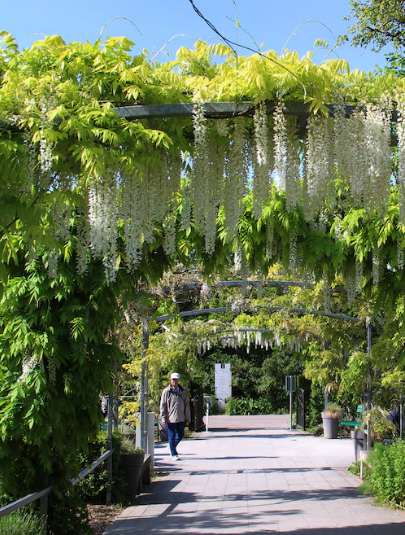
[{"x": 175, "y": 433}]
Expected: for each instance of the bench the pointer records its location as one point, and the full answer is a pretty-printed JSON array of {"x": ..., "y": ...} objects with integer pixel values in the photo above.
[{"x": 353, "y": 423}]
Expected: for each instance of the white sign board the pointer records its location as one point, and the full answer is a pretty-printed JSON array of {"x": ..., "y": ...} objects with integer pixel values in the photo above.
[{"x": 223, "y": 383}]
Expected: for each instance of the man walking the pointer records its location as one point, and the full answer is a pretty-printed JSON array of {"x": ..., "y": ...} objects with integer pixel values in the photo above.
[{"x": 175, "y": 412}]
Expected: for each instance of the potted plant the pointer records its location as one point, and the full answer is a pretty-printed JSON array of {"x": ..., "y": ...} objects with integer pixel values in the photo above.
[
  {"x": 131, "y": 460},
  {"x": 331, "y": 417}
]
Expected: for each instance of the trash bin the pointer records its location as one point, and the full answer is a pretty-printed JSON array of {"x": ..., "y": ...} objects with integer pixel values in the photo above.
[
  {"x": 197, "y": 413},
  {"x": 358, "y": 442}
]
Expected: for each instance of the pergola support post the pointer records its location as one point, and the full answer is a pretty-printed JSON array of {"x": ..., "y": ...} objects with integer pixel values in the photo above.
[
  {"x": 368, "y": 388},
  {"x": 144, "y": 384}
]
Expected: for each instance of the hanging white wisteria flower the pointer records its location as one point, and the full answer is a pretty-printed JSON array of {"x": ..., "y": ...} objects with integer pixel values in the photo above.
[
  {"x": 359, "y": 276},
  {"x": 222, "y": 127},
  {"x": 83, "y": 242},
  {"x": 186, "y": 202},
  {"x": 292, "y": 264},
  {"x": 352, "y": 151},
  {"x": 200, "y": 165},
  {"x": 213, "y": 197},
  {"x": 170, "y": 234},
  {"x": 238, "y": 260},
  {"x": 263, "y": 158},
  {"x": 292, "y": 182},
  {"x": 236, "y": 180},
  {"x": 326, "y": 295},
  {"x": 378, "y": 142},
  {"x": 205, "y": 293},
  {"x": 376, "y": 265},
  {"x": 61, "y": 220},
  {"x": 280, "y": 144},
  {"x": 260, "y": 133},
  {"x": 270, "y": 249},
  {"x": 29, "y": 364},
  {"x": 342, "y": 140},
  {"x": 130, "y": 213},
  {"x": 103, "y": 219},
  {"x": 52, "y": 264},
  {"x": 400, "y": 253},
  {"x": 319, "y": 164},
  {"x": 401, "y": 156},
  {"x": 350, "y": 286}
]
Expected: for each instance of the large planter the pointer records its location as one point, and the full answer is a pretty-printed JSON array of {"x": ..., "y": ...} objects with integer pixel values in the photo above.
[
  {"x": 330, "y": 426},
  {"x": 131, "y": 466}
]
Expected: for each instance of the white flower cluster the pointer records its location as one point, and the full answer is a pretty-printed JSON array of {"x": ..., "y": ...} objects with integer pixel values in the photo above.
[
  {"x": 359, "y": 276},
  {"x": 103, "y": 219},
  {"x": 83, "y": 242},
  {"x": 200, "y": 165},
  {"x": 263, "y": 161},
  {"x": 205, "y": 293},
  {"x": 350, "y": 286},
  {"x": 293, "y": 252},
  {"x": 400, "y": 254},
  {"x": 401, "y": 156},
  {"x": 270, "y": 249},
  {"x": 319, "y": 164},
  {"x": 228, "y": 162},
  {"x": 236, "y": 180},
  {"x": 280, "y": 145},
  {"x": 293, "y": 190},
  {"x": 29, "y": 363}
]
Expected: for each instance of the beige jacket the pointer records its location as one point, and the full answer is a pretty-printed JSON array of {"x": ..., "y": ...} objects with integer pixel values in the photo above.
[{"x": 174, "y": 405}]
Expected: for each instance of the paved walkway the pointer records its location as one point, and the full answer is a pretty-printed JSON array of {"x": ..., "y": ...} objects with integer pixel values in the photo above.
[{"x": 257, "y": 481}]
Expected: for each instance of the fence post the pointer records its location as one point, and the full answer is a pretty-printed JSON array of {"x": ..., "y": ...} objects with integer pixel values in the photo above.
[
  {"x": 144, "y": 383},
  {"x": 368, "y": 435},
  {"x": 151, "y": 438},
  {"x": 109, "y": 446},
  {"x": 43, "y": 505}
]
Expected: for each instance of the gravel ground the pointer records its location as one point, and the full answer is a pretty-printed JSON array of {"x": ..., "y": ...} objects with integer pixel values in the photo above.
[{"x": 101, "y": 516}]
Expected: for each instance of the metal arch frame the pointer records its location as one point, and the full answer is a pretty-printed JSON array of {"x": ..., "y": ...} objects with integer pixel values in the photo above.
[{"x": 204, "y": 311}]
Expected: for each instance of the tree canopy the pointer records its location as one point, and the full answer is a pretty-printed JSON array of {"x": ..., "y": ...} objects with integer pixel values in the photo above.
[{"x": 378, "y": 23}]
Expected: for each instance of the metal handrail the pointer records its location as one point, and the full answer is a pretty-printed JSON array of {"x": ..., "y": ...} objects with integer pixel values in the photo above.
[{"x": 11, "y": 507}]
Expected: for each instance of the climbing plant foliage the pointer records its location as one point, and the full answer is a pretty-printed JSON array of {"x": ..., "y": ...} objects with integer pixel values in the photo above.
[{"x": 92, "y": 203}]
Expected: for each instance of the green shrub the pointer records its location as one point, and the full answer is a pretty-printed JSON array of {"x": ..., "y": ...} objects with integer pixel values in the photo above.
[
  {"x": 386, "y": 480},
  {"x": 21, "y": 523},
  {"x": 354, "y": 468},
  {"x": 316, "y": 405},
  {"x": 92, "y": 489},
  {"x": 242, "y": 406},
  {"x": 67, "y": 513}
]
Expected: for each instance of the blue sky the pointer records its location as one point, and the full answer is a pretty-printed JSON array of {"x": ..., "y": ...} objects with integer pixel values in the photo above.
[{"x": 269, "y": 22}]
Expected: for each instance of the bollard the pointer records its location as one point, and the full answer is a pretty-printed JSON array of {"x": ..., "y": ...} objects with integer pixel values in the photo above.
[{"x": 150, "y": 446}]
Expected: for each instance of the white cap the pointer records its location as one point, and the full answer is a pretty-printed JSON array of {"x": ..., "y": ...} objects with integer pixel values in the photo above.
[{"x": 175, "y": 376}]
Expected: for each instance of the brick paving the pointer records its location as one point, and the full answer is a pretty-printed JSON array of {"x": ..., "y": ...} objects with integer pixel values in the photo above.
[{"x": 257, "y": 481}]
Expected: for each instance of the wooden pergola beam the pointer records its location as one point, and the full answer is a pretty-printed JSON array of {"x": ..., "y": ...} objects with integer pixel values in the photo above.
[{"x": 218, "y": 110}]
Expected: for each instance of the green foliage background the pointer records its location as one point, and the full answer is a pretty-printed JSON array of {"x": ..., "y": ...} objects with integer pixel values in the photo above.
[{"x": 68, "y": 331}]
